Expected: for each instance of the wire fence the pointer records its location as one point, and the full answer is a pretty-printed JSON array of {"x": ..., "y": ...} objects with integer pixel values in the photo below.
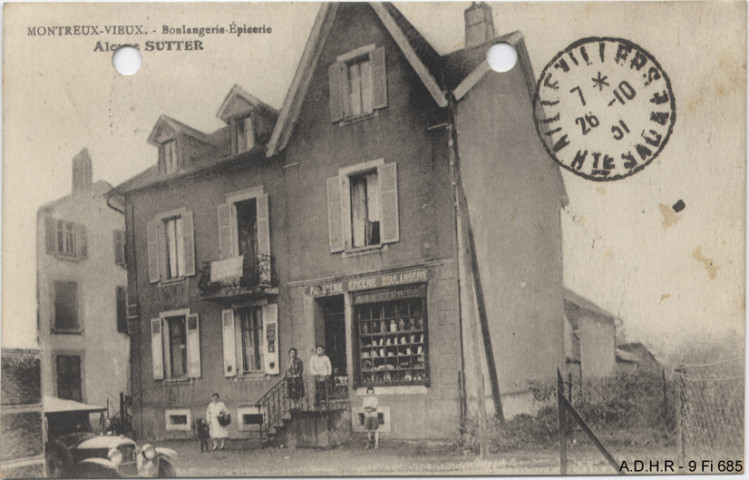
[{"x": 711, "y": 409}]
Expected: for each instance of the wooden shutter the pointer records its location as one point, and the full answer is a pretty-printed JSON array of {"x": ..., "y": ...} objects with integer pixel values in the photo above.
[
  {"x": 263, "y": 225},
  {"x": 193, "y": 346},
  {"x": 50, "y": 235},
  {"x": 153, "y": 251},
  {"x": 230, "y": 355},
  {"x": 270, "y": 338},
  {"x": 335, "y": 225},
  {"x": 188, "y": 242},
  {"x": 388, "y": 177},
  {"x": 119, "y": 247},
  {"x": 379, "y": 78},
  {"x": 225, "y": 231},
  {"x": 337, "y": 82},
  {"x": 157, "y": 349},
  {"x": 81, "y": 241}
]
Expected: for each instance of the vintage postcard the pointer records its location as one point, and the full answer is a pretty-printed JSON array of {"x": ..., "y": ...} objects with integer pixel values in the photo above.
[{"x": 373, "y": 239}]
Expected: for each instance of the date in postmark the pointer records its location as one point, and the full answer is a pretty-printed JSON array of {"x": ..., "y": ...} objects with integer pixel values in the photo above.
[{"x": 604, "y": 108}]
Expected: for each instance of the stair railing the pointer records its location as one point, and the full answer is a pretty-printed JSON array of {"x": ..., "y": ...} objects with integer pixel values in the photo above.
[{"x": 272, "y": 406}]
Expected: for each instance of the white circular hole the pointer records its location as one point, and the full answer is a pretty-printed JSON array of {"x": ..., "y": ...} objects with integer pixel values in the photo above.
[
  {"x": 502, "y": 57},
  {"x": 127, "y": 60}
]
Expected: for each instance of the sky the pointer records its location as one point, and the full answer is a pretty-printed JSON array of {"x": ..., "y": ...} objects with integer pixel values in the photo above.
[{"x": 674, "y": 279}]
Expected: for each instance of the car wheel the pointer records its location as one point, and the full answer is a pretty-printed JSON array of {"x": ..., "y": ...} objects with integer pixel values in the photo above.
[
  {"x": 166, "y": 469},
  {"x": 58, "y": 459}
]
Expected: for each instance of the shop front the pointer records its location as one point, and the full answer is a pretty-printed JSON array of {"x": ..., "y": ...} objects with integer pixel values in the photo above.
[{"x": 379, "y": 330}]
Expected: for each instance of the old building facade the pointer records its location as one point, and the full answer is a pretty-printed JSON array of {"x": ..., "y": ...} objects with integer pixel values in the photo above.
[
  {"x": 81, "y": 293},
  {"x": 333, "y": 221}
]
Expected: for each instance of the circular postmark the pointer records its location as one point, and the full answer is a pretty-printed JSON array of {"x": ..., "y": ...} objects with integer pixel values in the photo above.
[{"x": 604, "y": 108}]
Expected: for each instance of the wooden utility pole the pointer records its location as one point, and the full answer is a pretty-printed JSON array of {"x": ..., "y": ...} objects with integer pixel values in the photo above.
[{"x": 473, "y": 330}]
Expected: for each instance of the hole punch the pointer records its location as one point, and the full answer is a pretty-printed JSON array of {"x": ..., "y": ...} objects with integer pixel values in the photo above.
[
  {"x": 502, "y": 57},
  {"x": 127, "y": 60}
]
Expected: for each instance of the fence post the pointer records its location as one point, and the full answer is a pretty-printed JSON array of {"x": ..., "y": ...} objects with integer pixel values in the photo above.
[
  {"x": 562, "y": 426},
  {"x": 679, "y": 420},
  {"x": 665, "y": 398}
]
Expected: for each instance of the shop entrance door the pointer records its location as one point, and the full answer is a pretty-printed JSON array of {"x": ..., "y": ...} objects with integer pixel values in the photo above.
[{"x": 335, "y": 333}]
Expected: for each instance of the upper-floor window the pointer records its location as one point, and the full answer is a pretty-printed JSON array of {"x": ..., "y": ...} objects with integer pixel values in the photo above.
[
  {"x": 243, "y": 225},
  {"x": 65, "y": 239},
  {"x": 170, "y": 156},
  {"x": 66, "y": 307},
  {"x": 171, "y": 246},
  {"x": 363, "y": 206},
  {"x": 121, "y": 299},
  {"x": 174, "y": 244},
  {"x": 119, "y": 247},
  {"x": 175, "y": 345},
  {"x": 245, "y": 134},
  {"x": 358, "y": 83}
]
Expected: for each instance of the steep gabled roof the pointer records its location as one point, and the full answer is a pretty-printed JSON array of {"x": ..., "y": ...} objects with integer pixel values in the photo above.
[
  {"x": 237, "y": 93},
  {"x": 178, "y": 127},
  {"x": 422, "y": 57}
]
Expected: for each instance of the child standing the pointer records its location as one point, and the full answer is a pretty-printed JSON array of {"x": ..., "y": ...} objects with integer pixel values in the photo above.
[
  {"x": 371, "y": 419},
  {"x": 203, "y": 434}
]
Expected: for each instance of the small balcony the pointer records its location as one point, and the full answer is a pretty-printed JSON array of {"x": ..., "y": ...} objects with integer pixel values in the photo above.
[{"x": 239, "y": 277}]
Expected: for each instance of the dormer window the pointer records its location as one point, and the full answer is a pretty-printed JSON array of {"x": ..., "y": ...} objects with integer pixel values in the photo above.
[
  {"x": 358, "y": 83},
  {"x": 245, "y": 134},
  {"x": 170, "y": 156}
]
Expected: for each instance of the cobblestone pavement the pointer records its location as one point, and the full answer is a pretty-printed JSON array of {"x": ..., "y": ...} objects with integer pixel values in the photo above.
[{"x": 392, "y": 458}]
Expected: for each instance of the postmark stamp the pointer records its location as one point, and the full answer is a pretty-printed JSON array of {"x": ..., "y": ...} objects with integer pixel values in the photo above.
[{"x": 604, "y": 108}]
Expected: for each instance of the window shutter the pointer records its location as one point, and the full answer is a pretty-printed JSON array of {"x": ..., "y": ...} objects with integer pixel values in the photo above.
[
  {"x": 119, "y": 247},
  {"x": 188, "y": 242},
  {"x": 193, "y": 346},
  {"x": 336, "y": 83},
  {"x": 50, "y": 235},
  {"x": 379, "y": 78},
  {"x": 230, "y": 356},
  {"x": 270, "y": 338},
  {"x": 263, "y": 225},
  {"x": 157, "y": 352},
  {"x": 225, "y": 231},
  {"x": 153, "y": 251},
  {"x": 81, "y": 241},
  {"x": 233, "y": 134},
  {"x": 388, "y": 177},
  {"x": 335, "y": 226}
]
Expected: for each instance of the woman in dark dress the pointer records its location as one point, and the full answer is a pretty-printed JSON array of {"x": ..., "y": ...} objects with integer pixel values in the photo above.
[{"x": 295, "y": 384}]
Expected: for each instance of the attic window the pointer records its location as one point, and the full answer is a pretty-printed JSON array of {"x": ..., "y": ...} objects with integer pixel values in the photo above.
[
  {"x": 245, "y": 134},
  {"x": 170, "y": 156},
  {"x": 358, "y": 83}
]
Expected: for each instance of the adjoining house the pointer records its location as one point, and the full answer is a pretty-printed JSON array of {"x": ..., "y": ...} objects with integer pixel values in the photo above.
[
  {"x": 81, "y": 293},
  {"x": 333, "y": 221},
  {"x": 591, "y": 338},
  {"x": 635, "y": 358}
]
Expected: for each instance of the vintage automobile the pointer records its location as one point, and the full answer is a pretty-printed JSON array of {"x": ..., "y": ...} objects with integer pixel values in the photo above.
[{"x": 72, "y": 451}]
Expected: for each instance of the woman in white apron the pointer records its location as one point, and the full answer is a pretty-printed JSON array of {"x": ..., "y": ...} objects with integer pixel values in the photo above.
[{"x": 217, "y": 431}]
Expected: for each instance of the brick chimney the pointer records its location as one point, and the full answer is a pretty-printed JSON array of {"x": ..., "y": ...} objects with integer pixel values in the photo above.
[
  {"x": 479, "y": 24},
  {"x": 82, "y": 170}
]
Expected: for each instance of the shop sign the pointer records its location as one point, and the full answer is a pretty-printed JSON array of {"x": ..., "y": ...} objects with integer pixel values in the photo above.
[{"x": 368, "y": 283}]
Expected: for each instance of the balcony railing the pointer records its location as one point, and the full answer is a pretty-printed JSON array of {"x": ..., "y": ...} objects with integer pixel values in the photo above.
[{"x": 237, "y": 276}]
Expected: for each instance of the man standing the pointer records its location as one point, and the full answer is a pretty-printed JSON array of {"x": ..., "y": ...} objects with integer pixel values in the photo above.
[{"x": 321, "y": 369}]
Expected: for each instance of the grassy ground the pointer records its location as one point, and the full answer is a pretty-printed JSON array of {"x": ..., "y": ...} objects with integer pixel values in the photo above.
[{"x": 392, "y": 458}]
